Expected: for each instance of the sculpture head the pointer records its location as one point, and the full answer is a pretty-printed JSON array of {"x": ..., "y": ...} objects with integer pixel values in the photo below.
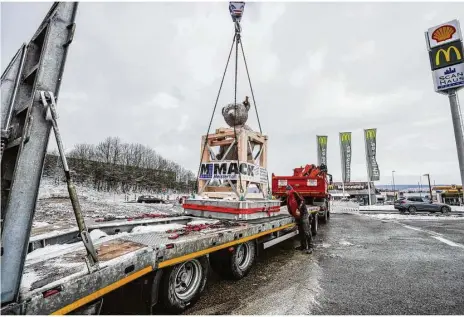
[{"x": 236, "y": 114}]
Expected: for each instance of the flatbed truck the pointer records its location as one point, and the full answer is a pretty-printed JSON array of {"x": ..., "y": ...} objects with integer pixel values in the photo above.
[{"x": 125, "y": 271}]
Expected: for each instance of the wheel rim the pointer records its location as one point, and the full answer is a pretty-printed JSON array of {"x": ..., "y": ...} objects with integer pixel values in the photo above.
[
  {"x": 316, "y": 223},
  {"x": 243, "y": 256},
  {"x": 188, "y": 279},
  {"x": 412, "y": 209}
]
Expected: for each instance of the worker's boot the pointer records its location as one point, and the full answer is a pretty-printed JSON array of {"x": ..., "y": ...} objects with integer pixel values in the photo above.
[{"x": 309, "y": 251}]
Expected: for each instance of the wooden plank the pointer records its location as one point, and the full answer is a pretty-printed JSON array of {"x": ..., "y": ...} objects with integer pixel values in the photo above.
[
  {"x": 224, "y": 130},
  {"x": 223, "y": 142},
  {"x": 116, "y": 248},
  {"x": 255, "y": 137},
  {"x": 222, "y": 135},
  {"x": 218, "y": 189}
]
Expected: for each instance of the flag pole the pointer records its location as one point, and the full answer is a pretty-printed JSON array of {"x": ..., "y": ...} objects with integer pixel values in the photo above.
[
  {"x": 367, "y": 169},
  {"x": 342, "y": 163}
]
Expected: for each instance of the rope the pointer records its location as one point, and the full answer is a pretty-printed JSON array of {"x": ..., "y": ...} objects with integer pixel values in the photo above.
[
  {"x": 214, "y": 110},
  {"x": 237, "y": 36},
  {"x": 251, "y": 87},
  {"x": 256, "y": 107}
]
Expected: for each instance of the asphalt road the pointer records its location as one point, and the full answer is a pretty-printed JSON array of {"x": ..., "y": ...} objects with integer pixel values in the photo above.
[{"x": 361, "y": 265}]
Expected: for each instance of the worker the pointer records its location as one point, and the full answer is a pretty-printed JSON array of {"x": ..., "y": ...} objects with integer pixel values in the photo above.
[{"x": 297, "y": 208}]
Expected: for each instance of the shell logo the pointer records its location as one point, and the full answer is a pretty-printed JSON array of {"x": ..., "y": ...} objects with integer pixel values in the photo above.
[{"x": 443, "y": 33}]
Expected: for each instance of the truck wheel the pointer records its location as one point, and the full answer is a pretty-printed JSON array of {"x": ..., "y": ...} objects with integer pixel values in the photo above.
[
  {"x": 314, "y": 225},
  {"x": 234, "y": 264},
  {"x": 325, "y": 217},
  {"x": 182, "y": 284}
]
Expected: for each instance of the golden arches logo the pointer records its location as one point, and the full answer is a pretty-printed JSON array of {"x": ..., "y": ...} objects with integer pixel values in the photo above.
[
  {"x": 322, "y": 140},
  {"x": 370, "y": 134},
  {"x": 447, "y": 54},
  {"x": 345, "y": 137}
]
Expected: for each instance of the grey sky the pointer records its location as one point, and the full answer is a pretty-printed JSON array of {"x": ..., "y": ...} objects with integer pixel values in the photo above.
[{"x": 150, "y": 72}]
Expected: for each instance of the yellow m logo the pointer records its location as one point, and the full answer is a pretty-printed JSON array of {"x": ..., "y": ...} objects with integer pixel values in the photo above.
[
  {"x": 345, "y": 136},
  {"x": 322, "y": 140},
  {"x": 370, "y": 134},
  {"x": 447, "y": 54}
]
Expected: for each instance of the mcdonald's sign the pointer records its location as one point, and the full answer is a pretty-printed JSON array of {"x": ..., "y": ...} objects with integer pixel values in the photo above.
[
  {"x": 345, "y": 136},
  {"x": 322, "y": 140},
  {"x": 446, "y": 55},
  {"x": 322, "y": 149},
  {"x": 370, "y": 133}
]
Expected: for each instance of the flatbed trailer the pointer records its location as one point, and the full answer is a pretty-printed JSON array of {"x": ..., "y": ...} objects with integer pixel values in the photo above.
[{"x": 59, "y": 282}]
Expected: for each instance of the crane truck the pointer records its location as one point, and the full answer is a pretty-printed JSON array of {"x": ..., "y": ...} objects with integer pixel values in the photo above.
[
  {"x": 124, "y": 272},
  {"x": 312, "y": 183}
]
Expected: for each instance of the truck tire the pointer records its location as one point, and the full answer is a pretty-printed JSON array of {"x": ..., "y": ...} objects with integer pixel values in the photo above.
[
  {"x": 314, "y": 225},
  {"x": 325, "y": 217},
  {"x": 234, "y": 264},
  {"x": 182, "y": 284}
]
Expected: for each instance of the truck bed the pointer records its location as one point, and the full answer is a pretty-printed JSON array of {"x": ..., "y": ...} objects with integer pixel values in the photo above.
[
  {"x": 314, "y": 187},
  {"x": 123, "y": 258}
]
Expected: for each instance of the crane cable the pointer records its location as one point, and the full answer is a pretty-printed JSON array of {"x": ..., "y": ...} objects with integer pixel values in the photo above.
[
  {"x": 256, "y": 108},
  {"x": 214, "y": 110},
  {"x": 237, "y": 41}
]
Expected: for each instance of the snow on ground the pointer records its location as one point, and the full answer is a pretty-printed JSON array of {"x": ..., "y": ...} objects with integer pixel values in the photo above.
[
  {"x": 392, "y": 208},
  {"x": 343, "y": 242},
  {"x": 377, "y": 207},
  {"x": 39, "y": 224},
  {"x": 414, "y": 217},
  {"x": 54, "y": 210}
]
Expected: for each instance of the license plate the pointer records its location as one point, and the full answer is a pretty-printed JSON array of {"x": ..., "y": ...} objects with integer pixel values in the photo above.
[
  {"x": 312, "y": 182},
  {"x": 282, "y": 182}
]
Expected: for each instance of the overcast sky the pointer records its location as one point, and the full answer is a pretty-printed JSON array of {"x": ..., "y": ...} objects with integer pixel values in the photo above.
[{"x": 150, "y": 72}]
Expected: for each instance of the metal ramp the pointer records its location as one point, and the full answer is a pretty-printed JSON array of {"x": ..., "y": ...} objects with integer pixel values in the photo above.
[{"x": 38, "y": 66}]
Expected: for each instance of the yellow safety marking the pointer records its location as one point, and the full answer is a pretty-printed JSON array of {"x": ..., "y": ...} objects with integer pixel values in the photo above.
[
  {"x": 105, "y": 290},
  {"x": 222, "y": 246}
]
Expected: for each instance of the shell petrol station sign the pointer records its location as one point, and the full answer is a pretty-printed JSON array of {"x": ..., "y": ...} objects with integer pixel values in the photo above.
[{"x": 444, "y": 44}]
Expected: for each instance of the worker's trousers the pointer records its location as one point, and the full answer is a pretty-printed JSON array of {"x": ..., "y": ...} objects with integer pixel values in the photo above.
[{"x": 304, "y": 228}]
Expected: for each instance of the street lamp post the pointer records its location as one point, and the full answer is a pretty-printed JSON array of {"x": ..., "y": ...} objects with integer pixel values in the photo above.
[
  {"x": 430, "y": 186},
  {"x": 394, "y": 189}
]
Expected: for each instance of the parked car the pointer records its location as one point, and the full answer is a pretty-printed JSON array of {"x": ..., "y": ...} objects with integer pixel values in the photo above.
[
  {"x": 414, "y": 204},
  {"x": 150, "y": 199}
]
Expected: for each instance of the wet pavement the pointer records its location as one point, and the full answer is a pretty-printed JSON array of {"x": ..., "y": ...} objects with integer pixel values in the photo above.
[{"x": 361, "y": 265}]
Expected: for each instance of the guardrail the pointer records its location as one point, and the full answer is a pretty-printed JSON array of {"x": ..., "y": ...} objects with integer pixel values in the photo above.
[{"x": 343, "y": 206}]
